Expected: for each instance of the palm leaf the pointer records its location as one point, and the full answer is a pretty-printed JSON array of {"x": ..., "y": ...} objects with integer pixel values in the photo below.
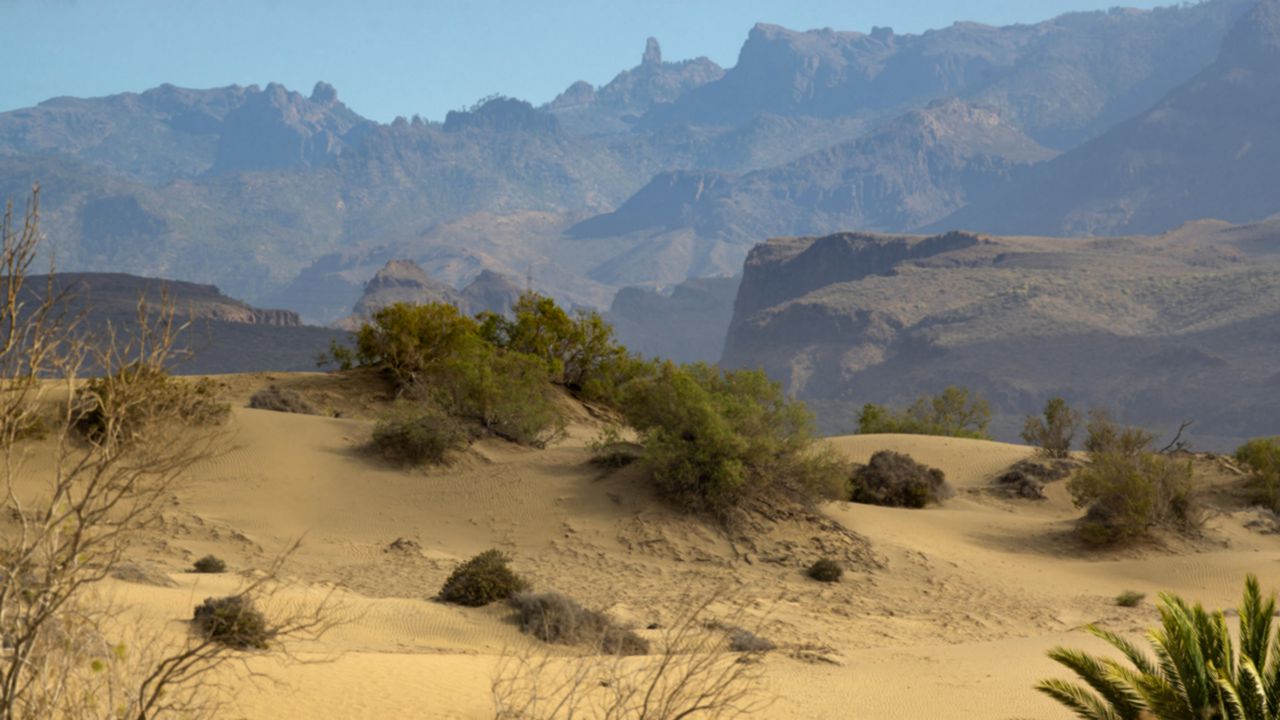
[{"x": 1085, "y": 704}]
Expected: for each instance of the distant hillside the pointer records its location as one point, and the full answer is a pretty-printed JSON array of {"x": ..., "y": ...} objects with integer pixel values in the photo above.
[
  {"x": 688, "y": 324},
  {"x": 223, "y": 335},
  {"x": 402, "y": 281},
  {"x": 1061, "y": 81},
  {"x": 1161, "y": 329},
  {"x": 1207, "y": 150},
  {"x": 670, "y": 171}
]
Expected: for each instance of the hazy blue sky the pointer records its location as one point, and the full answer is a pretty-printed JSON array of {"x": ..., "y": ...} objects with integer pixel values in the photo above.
[{"x": 400, "y": 57}]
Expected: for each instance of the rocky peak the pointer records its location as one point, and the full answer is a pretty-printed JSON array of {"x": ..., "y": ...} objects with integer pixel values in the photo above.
[
  {"x": 324, "y": 94},
  {"x": 652, "y": 53},
  {"x": 501, "y": 114}
]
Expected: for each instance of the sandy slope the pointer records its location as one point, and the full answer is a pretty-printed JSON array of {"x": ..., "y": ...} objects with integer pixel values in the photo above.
[{"x": 954, "y": 624}]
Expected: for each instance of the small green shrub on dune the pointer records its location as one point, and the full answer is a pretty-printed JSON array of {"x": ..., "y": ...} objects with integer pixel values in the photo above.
[
  {"x": 1261, "y": 457},
  {"x": 609, "y": 450},
  {"x": 556, "y": 618},
  {"x": 483, "y": 579},
  {"x": 955, "y": 412},
  {"x": 232, "y": 621},
  {"x": 1105, "y": 436},
  {"x": 209, "y": 564},
  {"x": 278, "y": 399},
  {"x": 1129, "y": 494},
  {"x": 1055, "y": 430},
  {"x": 896, "y": 480},
  {"x": 418, "y": 434},
  {"x": 714, "y": 438},
  {"x": 826, "y": 570}
]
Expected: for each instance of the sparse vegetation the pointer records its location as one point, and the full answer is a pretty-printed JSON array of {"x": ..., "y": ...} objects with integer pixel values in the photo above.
[
  {"x": 714, "y": 438},
  {"x": 274, "y": 397},
  {"x": 209, "y": 564},
  {"x": 1197, "y": 672},
  {"x": 111, "y": 405},
  {"x": 483, "y": 579},
  {"x": 1130, "y": 490},
  {"x": 693, "y": 672},
  {"x": 744, "y": 641},
  {"x": 1130, "y": 598},
  {"x": 609, "y": 450},
  {"x": 417, "y": 434},
  {"x": 556, "y": 618},
  {"x": 955, "y": 412},
  {"x": 826, "y": 570},
  {"x": 1261, "y": 457},
  {"x": 896, "y": 480},
  {"x": 234, "y": 622},
  {"x": 1055, "y": 430},
  {"x": 1027, "y": 478}
]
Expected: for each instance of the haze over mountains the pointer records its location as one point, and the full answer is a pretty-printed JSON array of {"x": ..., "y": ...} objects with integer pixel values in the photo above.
[{"x": 645, "y": 195}]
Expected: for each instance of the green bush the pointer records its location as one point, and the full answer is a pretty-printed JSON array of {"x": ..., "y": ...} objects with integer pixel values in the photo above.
[
  {"x": 556, "y": 618},
  {"x": 1053, "y": 432},
  {"x": 896, "y": 480},
  {"x": 575, "y": 348},
  {"x": 955, "y": 412},
  {"x": 1105, "y": 437},
  {"x": 417, "y": 434},
  {"x": 209, "y": 564},
  {"x": 412, "y": 341},
  {"x": 1129, "y": 495},
  {"x": 233, "y": 621},
  {"x": 713, "y": 438},
  {"x": 140, "y": 396},
  {"x": 483, "y": 579},
  {"x": 609, "y": 450},
  {"x": 1261, "y": 457},
  {"x": 826, "y": 570}
]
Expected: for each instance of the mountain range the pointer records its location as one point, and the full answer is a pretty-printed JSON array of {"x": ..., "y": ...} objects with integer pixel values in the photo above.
[{"x": 672, "y": 170}]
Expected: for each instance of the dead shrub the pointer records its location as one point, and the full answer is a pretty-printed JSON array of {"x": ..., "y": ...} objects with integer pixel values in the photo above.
[
  {"x": 278, "y": 399},
  {"x": 826, "y": 570},
  {"x": 555, "y": 618},
  {"x": 896, "y": 480},
  {"x": 234, "y": 622}
]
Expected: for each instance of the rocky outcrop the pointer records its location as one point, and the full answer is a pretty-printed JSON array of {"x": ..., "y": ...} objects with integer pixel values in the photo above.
[
  {"x": 1061, "y": 81},
  {"x": 503, "y": 115},
  {"x": 688, "y": 324},
  {"x": 277, "y": 129},
  {"x": 1158, "y": 329},
  {"x": 404, "y": 281}
]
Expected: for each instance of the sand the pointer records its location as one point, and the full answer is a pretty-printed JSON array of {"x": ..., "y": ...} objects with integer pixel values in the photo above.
[{"x": 951, "y": 619}]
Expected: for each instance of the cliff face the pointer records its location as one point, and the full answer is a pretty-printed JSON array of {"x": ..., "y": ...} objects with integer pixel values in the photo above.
[
  {"x": 1159, "y": 329},
  {"x": 1209, "y": 149},
  {"x": 686, "y": 325}
]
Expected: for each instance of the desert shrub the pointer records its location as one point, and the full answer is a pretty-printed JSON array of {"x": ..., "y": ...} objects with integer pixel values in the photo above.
[
  {"x": 209, "y": 564},
  {"x": 712, "y": 438},
  {"x": 556, "y": 618},
  {"x": 1104, "y": 436},
  {"x": 955, "y": 412},
  {"x": 826, "y": 570},
  {"x": 1053, "y": 432},
  {"x": 897, "y": 480},
  {"x": 232, "y": 621},
  {"x": 417, "y": 434},
  {"x": 1129, "y": 495},
  {"x": 575, "y": 347},
  {"x": 1261, "y": 457},
  {"x": 609, "y": 450},
  {"x": 124, "y": 404},
  {"x": 483, "y": 579},
  {"x": 1027, "y": 478},
  {"x": 1130, "y": 598},
  {"x": 744, "y": 641},
  {"x": 411, "y": 341},
  {"x": 274, "y": 397}
]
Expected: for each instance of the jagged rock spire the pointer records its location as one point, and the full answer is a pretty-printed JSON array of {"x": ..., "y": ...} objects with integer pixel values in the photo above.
[{"x": 652, "y": 53}]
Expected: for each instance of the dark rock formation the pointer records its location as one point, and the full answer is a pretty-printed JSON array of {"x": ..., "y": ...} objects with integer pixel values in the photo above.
[{"x": 687, "y": 325}]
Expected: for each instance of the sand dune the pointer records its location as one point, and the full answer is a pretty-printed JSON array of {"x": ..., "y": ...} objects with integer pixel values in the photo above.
[{"x": 951, "y": 620}]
